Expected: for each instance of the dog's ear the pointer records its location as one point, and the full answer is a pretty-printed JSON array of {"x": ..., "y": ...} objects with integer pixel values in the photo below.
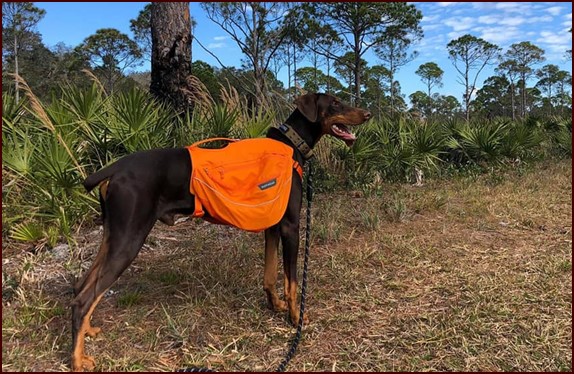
[{"x": 308, "y": 105}]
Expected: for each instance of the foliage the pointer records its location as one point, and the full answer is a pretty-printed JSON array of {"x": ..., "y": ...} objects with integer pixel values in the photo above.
[
  {"x": 358, "y": 27},
  {"x": 431, "y": 75},
  {"x": 110, "y": 52},
  {"x": 256, "y": 29},
  {"x": 48, "y": 148},
  {"x": 469, "y": 53}
]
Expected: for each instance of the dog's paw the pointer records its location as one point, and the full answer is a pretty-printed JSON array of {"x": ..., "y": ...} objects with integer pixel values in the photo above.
[
  {"x": 92, "y": 332},
  {"x": 279, "y": 306},
  {"x": 85, "y": 362},
  {"x": 295, "y": 319}
]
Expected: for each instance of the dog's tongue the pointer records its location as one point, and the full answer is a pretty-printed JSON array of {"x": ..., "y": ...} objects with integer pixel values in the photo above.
[{"x": 344, "y": 134}]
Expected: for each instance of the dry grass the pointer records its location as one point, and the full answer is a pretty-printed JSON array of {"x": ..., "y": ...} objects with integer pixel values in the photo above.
[{"x": 471, "y": 274}]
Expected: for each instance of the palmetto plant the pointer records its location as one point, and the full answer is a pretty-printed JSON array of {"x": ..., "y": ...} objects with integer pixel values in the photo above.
[
  {"x": 520, "y": 142},
  {"x": 479, "y": 142},
  {"x": 48, "y": 149},
  {"x": 137, "y": 122}
]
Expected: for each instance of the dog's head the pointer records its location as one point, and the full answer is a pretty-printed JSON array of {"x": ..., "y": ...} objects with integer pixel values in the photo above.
[{"x": 334, "y": 116}]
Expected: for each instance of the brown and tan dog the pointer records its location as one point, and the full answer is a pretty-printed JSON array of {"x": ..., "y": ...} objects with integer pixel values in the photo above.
[{"x": 141, "y": 188}]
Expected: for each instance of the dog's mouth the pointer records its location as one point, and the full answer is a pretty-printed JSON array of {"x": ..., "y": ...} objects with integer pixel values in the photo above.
[{"x": 344, "y": 133}]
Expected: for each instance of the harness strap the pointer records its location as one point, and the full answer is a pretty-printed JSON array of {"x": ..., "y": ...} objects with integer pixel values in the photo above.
[
  {"x": 298, "y": 169},
  {"x": 297, "y": 141}
]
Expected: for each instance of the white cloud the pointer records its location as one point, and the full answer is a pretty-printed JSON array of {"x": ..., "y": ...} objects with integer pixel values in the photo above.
[
  {"x": 219, "y": 38},
  {"x": 539, "y": 19},
  {"x": 427, "y": 28},
  {"x": 445, "y": 4},
  {"x": 216, "y": 45},
  {"x": 460, "y": 24},
  {"x": 430, "y": 18},
  {"x": 454, "y": 35},
  {"x": 500, "y": 35},
  {"x": 512, "y": 7},
  {"x": 554, "y": 10},
  {"x": 488, "y": 19},
  {"x": 568, "y": 16},
  {"x": 512, "y": 21},
  {"x": 550, "y": 37}
]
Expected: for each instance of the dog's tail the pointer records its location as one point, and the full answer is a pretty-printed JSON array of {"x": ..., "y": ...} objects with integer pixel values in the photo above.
[{"x": 93, "y": 180}]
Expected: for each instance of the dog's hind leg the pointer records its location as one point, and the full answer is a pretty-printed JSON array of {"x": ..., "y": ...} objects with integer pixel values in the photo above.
[
  {"x": 290, "y": 240},
  {"x": 128, "y": 222},
  {"x": 270, "y": 274}
]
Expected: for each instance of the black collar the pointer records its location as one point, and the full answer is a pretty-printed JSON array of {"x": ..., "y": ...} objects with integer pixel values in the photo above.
[{"x": 297, "y": 141}]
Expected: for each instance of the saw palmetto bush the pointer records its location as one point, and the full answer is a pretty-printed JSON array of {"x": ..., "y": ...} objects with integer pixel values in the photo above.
[
  {"x": 48, "y": 149},
  {"x": 558, "y": 132},
  {"x": 393, "y": 149}
]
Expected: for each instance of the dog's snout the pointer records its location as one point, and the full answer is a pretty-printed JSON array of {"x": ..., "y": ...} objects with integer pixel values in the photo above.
[{"x": 367, "y": 115}]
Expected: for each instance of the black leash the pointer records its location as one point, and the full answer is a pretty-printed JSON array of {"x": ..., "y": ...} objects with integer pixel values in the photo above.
[{"x": 297, "y": 337}]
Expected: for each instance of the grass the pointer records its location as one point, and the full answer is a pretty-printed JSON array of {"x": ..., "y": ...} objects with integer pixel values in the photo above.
[{"x": 469, "y": 274}]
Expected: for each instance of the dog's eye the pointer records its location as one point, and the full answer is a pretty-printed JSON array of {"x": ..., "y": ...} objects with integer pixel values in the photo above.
[{"x": 336, "y": 103}]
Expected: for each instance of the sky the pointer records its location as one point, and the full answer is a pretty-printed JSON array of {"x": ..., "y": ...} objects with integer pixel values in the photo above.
[{"x": 545, "y": 24}]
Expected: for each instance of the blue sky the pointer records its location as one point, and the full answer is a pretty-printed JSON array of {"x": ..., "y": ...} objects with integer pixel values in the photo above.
[{"x": 545, "y": 24}]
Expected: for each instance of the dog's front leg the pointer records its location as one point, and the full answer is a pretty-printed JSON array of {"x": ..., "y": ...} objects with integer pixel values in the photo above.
[{"x": 270, "y": 274}]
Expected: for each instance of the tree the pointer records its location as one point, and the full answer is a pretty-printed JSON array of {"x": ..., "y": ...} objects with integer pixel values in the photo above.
[
  {"x": 141, "y": 27},
  {"x": 171, "y": 54},
  {"x": 469, "y": 53},
  {"x": 446, "y": 106},
  {"x": 111, "y": 53},
  {"x": 345, "y": 68},
  {"x": 564, "y": 100},
  {"x": 553, "y": 80},
  {"x": 391, "y": 48},
  {"x": 18, "y": 19},
  {"x": 206, "y": 74},
  {"x": 492, "y": 98},
  {"x": 509, "y": 70},
  {"x": 376, "y": 78},
  {"x": 256, "y": 29},
  {"x": 421, "y": 102},
  {"x": 359, "y": 27},
  {"x": 568, "y": 54},
  {"x": 314, "y": 80},
  {"x": 524, "y": 56},
  {"x": 431, "y": 75}
]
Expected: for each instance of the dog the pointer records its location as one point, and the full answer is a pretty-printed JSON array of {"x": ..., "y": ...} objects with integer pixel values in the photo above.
[{"x": 152, "y": 185}]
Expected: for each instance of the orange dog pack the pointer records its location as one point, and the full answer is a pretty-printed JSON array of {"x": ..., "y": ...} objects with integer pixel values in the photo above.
[{"x": 245, "y": 184}]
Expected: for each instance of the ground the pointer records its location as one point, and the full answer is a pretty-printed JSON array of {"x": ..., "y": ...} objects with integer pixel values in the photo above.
[{"x": 469, "y": 274}]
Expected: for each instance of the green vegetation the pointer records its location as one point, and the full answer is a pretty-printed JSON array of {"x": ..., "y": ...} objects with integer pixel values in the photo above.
[{"x": 48, "y": 148}]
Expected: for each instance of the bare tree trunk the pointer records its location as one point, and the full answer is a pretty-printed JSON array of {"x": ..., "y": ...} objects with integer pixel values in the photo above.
[
  {"x": 512, "y": 101},
  {"x": 171, "y": 54},
  {"x": 357, "y": 72},
  {"x": 467, "y": 95},
  {"x": 16, "y": 85}
]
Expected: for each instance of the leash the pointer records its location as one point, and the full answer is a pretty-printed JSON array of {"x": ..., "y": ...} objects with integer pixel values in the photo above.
[{"x": 297, "y": 337}]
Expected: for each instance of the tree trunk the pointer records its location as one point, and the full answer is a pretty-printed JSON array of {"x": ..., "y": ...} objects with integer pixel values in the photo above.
[
  {"x": 467, "y": 95},
  {"x": 512, "y": 101},
  {"x": 295, "y": 69},
  {"x": 523, "y": 96},
  {"x": 357, "y": 71},
  {"x": 171, "y": 54},
  {"x": 16, "y": 85}
]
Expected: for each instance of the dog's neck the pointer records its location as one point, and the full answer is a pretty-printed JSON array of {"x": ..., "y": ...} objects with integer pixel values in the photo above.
[{"x": 308, "y": 131}]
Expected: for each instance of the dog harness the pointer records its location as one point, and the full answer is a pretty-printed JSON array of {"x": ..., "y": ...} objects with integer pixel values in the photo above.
[{"x": 245, "y": 184}]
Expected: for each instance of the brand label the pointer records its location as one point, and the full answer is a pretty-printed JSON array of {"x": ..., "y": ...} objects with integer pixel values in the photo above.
[{"x": 269, "y": 184}]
